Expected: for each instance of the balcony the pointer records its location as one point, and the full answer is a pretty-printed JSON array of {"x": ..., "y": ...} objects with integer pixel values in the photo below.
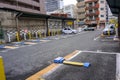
[
  {"x": 92, "y": 13},
  {"x": 92, "y": 7},
  {"x": 97, "y": 12},
  {"x": 88, "y": 8},
  {"x": 2, "y": 5},
  {"x": 88, "y": 1},
  {"x": 97, "y": 19},
  {"x": 97, "y": 5},
  {"x": 81, "y": 16},
  {"x": 80, "y": 4},
  {"x": 29, "y": 2},
  {"x": 81, "y": 10}
]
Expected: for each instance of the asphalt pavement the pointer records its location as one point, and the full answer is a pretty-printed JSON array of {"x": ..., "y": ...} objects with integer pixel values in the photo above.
[
  {"x": 103, "y": 67},
  {"x": 21, "y": 63}
]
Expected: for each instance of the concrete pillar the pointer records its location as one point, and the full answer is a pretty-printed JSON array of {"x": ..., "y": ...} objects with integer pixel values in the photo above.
[
  {"x": 63, "y": 23},
  {"x": 47, "y": 28},
  {"x": 73, "y": 25},
  {"x": 119, "y": 25}
]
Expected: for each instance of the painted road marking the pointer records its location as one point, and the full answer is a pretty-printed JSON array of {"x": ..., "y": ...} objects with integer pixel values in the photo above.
[
  {"x": 118, "y": 67},
  {"x": 30, "y": 43},
  {"x": 10, "y": 47},
  {"x": 44, "y": 40},
  {"x": 69, "y": 57},
  {"x": 50, "y": 68},
  {"x": 82, "y": 32},
  {"x": 2, "y": 72},
  {"x": 96, "y": 38},
  {"x": 101, "y": 52}
]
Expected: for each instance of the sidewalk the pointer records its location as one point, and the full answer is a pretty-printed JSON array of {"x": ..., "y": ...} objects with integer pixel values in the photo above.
[{"x": 109, "y": 38}]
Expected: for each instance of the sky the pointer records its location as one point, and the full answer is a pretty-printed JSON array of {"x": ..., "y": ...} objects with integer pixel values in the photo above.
[{"x": 67, "y": 2}]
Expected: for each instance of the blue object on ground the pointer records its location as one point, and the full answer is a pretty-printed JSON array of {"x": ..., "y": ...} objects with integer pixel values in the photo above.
[
  {"x": 87, "y": 64},
  {"x": 59, "y": 60},
  {"x": 38, "y": 40},
  {"x": 2, "y": 46},
  {"x": 22, "y": 43}
]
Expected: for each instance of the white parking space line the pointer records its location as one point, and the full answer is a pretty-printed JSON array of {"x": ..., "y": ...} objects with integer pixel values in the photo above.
[
  {"x": 96, "y": 38},
  {"x": 82, "y": 32},
  {"x": 99, "y": 52},
  {"x": 51, "y": 71}
]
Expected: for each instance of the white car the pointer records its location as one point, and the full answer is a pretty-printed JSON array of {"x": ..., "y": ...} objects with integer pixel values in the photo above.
[
  {"x": 109, "y": 29},
  {"x": 69, "y": 30}
]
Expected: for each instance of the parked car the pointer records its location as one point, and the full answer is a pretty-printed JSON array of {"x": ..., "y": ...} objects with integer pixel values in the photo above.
[
  {"x": 109, "y": 29},
  {"x": 69, "y": 30},
  {"x": 89, "y": 29}
]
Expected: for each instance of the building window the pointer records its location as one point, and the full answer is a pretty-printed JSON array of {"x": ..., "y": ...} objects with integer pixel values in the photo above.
[
  {"x": 81, "y": 6},
  {"x": 101, "y": 8},
  {"x": 36, "y": 0},
  {"x": 90, "y": 4},
  {"x": 80, "y": 0},
  {"x": 101, "y": 15},
  {"x": 101, "y": 1},
  {"x": 25, "y": 6},
  {"x": 91, "y": 17},
  {"x": 36, "y": 8},
  {"x": 90, "y": 11}
]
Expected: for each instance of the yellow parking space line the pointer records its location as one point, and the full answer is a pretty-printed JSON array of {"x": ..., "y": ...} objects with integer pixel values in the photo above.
[
  {"x": 11, "y": 47},
  {"x": 30, "y": 43},
  {"x": 39, "y": 74},
  {"x": 2, "y": 72}
]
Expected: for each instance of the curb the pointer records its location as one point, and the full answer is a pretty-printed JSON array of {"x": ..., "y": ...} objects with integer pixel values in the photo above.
[{"x": 38, "y": 75}]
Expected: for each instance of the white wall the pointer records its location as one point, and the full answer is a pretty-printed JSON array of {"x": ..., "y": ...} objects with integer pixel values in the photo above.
[
  {"x": 102, "y": 12},
  {"x": 69, "y": 9}
]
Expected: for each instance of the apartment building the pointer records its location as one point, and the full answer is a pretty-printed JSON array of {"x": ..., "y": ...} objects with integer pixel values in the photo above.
[
  {"x": 80, "y": 10},
  {"x": 52, "y": 5},
  {"x": 11, "y": 22},
  {"x": 33, "y": 6},
  {"x": 26, "y": 19},
  {"x": 70, "y": 10},
  {"x": 95, "y": 12}
]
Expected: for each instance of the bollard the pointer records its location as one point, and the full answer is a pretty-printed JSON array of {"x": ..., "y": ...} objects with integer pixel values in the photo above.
[
  {"x": 44, "y": 34},
  {"x": 25, "y": 36},
  {"x": 2, "y": 72},
  {"x": 48, "y": 32},
  {"x": 108, "y": 32},
  {"x": 1, "y": 42},
  {"x": 29, "y": 34},
  {"x": 39, "y": 34},
  {"x": 57, "y": 32},
  {"x": 17, "y": 36},
  {"x": 52, "y": 33},
  {"x": 9, "y": 37},
  {"x": 36, "y": 35}
]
